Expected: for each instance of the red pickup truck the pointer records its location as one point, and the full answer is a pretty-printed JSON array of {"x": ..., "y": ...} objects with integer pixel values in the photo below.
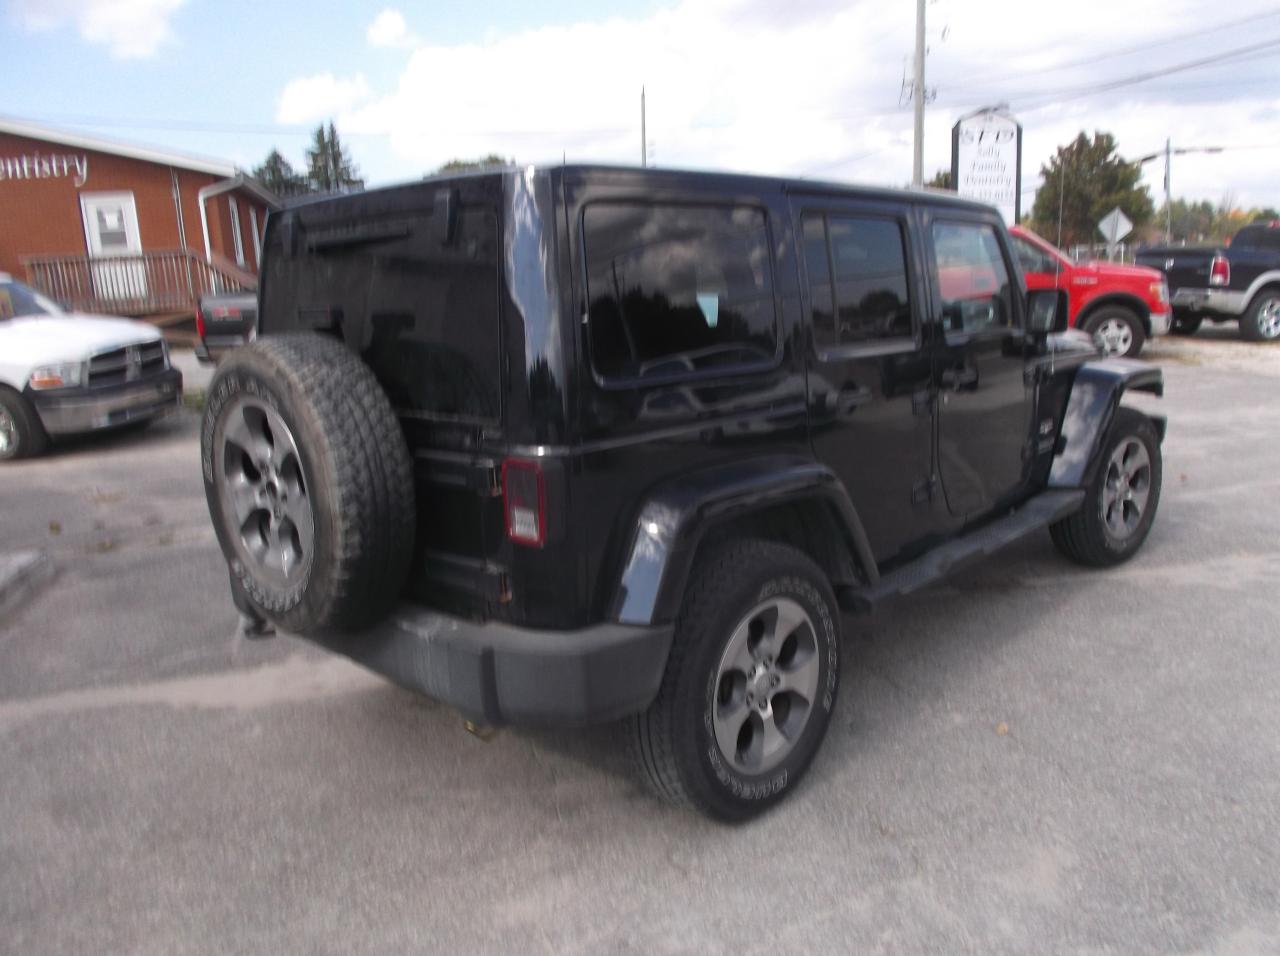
[{"x": 1121, "y": 306}]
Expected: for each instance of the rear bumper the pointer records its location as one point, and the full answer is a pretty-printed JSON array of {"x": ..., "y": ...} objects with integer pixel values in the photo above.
[
  {"x": 1203, "y": 301},
  {"x": 501, "y": 674},
  {"x": 66, "y": 411}
]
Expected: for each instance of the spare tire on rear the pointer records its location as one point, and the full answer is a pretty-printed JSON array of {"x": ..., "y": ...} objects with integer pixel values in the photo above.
[{"x": 309, "y": 483}]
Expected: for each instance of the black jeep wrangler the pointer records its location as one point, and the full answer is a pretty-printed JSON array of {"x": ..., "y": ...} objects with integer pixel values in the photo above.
[{"x": 574, "y": 444}]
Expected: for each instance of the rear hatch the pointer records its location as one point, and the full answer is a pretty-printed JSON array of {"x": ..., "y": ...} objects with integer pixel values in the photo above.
[
  {"x": 1184, "y": 267},
  {"x": 409, "y": 277}
]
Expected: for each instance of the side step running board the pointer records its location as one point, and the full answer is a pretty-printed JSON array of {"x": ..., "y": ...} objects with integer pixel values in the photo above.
[{"x": 1040, "y": 512}]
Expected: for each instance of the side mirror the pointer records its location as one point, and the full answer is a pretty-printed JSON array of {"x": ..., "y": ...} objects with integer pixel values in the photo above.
[{"x": 1046, "y": 311}]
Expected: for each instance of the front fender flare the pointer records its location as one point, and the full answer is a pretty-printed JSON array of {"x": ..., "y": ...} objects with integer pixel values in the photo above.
[
  {"x": 1095, "y": 395},
  {"x": 675, "y": 516}
]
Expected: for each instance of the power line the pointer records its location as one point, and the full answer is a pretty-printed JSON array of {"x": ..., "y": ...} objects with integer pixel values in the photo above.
[{"x": 1125, "y": 51}]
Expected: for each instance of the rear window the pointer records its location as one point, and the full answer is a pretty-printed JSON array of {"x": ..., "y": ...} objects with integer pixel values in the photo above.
[
  {"x": 1257, "y": 237},
  {"x": 678, "y": 290},
  {"x": 426, "y": 310}
]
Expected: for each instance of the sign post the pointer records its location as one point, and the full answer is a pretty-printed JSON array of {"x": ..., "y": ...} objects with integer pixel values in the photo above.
[{"x": 986, "y": 160}]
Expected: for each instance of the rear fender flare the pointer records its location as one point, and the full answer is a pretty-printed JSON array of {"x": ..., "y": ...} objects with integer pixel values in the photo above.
[
  {"x": 1095, "y": 395},
  {"x": 676, "y": 515}
]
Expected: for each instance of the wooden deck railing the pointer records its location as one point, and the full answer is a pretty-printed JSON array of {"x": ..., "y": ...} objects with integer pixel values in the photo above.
[{"x": 148, "y": 283}]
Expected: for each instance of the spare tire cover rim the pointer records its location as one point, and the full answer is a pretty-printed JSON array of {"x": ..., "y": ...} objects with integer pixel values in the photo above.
[{"x": 265, "y": 492}]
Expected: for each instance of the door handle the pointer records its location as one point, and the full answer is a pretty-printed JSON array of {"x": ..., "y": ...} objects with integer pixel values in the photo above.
[{"x": 960, "y": 379}]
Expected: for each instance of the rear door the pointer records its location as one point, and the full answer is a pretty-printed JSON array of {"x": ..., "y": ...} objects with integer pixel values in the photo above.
[
  {"x": 985, "y": 398},
  {"x": 870, "y": 406}
]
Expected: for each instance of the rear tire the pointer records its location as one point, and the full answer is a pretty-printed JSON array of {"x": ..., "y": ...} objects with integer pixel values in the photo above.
[
  {"x": 309, "y": 483},
  {"x": 1187, "y": 325},
  {"x": 1120, "y": 503},
  {"x": 1118, "y": 332},
  {"x": 1261, "y": 321},
  {"x": 749, "y": 685},
  {"x": 21, "y": 433}
]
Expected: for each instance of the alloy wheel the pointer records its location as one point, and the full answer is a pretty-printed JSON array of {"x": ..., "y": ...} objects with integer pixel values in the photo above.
[
  {"x": 8, "y": 431},
  {"x": 1113, "y": 336},
  {"x": 264, "y": 491},
  {"x": 1127, "y": 488},
  {"x": 766, "y": 686},
  {"x": 1269, "y": 318}
]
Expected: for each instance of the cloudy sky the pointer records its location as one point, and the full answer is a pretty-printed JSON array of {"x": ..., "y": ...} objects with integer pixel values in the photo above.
[{"x": 794, "y": 87}]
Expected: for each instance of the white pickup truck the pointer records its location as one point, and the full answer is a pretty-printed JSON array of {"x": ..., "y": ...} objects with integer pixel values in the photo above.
[{"x": 65, "y": 372}]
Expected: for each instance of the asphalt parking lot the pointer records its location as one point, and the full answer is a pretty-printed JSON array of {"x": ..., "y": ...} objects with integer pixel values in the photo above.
[{"x": 1030, "y": 758}]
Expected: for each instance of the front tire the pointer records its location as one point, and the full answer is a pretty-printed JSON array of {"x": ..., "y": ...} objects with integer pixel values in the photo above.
[
  {"x": 1120, "y": 503},
  {"x": 21, "y": 433},
  {"x": 1261, "y": 321},
  {"x": 1117, "y": 332},
  {"x": 749, "y": 685}
]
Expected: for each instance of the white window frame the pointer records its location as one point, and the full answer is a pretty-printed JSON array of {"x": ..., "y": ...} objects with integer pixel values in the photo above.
[
  {"x": 257, "y": 237},
  {"x": 235, "y": 230}
]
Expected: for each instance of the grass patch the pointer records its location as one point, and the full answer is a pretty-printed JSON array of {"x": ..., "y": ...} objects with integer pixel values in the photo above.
[{"x": 193, "y": 398}]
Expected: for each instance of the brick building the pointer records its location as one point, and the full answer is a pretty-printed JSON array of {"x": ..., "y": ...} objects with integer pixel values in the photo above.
[{"x": 121, "y": 228}]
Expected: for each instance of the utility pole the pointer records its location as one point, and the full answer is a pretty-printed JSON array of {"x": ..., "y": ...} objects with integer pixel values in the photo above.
[
  {"x": 917, "y": 91},
  {"x": 1168, "y": 193},
  {"x": 644, "y": 147}
]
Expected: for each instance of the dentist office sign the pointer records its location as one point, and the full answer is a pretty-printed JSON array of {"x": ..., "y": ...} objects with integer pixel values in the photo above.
[
  {"x": 986, "y": 160},
  {"x": 46, "y": 166}
]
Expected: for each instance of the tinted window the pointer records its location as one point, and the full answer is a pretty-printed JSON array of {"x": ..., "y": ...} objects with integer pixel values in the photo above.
[
  {"x": 427, "y": 311},
  {"x": 1031, "y": 258},
  {"x": 870, "y": 271},
  {"x": 1257, "y": 237},
  {"x": 678, "y": 289},
  {"x": 972, "y": 278}
]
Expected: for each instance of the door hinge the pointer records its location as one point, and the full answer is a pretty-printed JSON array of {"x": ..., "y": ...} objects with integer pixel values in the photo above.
[{"x": 923, "y": 491}]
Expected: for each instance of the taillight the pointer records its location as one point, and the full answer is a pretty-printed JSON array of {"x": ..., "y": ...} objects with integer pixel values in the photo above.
[
  {"x": 524, "y": 498},
  {"x": 200, "y": 322},
  {"x": 1220, "y": 271}
]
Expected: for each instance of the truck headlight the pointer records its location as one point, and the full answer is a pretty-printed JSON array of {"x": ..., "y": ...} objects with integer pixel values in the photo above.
[
  {"x": 1161, "y": 291},
  {"x": 62, "y": 375}
]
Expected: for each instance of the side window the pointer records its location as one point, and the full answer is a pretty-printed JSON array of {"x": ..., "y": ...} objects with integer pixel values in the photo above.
[
  {"x": 1031, "y": 258},
  {"x": 857, "y": 279},
  {"x": 972, "y": 278},
  {"x": 676, "y": 289}
]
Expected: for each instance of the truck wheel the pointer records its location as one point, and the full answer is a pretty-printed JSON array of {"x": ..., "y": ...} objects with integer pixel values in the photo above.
[
  {"x": 21, "y": 434},
  {"x": 1117, "y": 332},
  {"x": 1120, "y": 503},
  {"x": 749, "y": 685},
  {"x": 309, "y": 483},
  {"x": 1261, "y": 321},
  {"x": 1185, "y": 325}
]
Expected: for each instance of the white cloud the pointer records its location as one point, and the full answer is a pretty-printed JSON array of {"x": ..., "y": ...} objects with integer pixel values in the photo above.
[
  {"x": 130, "y": 29},
  {"x": 734, "y": 84},
  {"x": 389, "y": 29},
  {"x": 320, "y": 97}
]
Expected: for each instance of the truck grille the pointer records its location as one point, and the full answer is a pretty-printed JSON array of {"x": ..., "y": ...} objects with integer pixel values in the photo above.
[{"x": 129, "y": 364}]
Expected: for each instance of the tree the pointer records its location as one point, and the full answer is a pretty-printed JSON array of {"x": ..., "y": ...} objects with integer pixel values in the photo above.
[
  {"x": 941, "y": 180},
  {"x": 278, "y": 175},
  {"x": 467, "y": 165},
  {"x": 329, "y": 168},
  {"x": 1086, "y": 180}
]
